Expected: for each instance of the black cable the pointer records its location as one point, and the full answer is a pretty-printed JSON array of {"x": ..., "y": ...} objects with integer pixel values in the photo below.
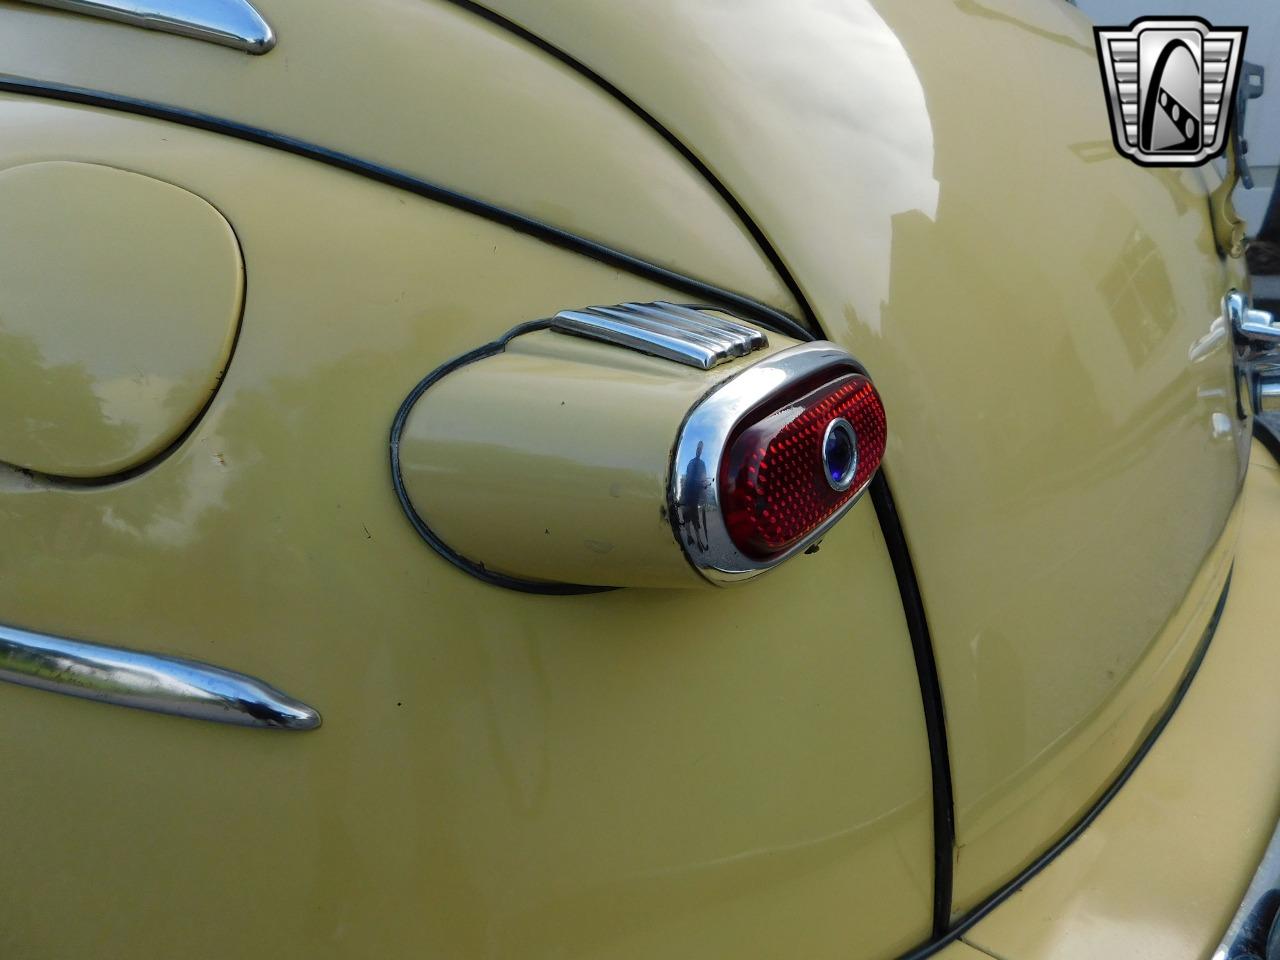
[
  {"x": 476, "y": 569},
  {"x": 747, "y": 307},
  {"x": 742, "y": 305},
  {"x": 678, "y": 145},
  {"x": 935, "y": 723},
  {"x": 1024, "y": 876}
]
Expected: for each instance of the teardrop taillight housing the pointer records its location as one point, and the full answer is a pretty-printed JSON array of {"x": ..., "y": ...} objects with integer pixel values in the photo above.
[
  {"x": 544, "y": 460},
  {"x": 770, "y": 460}
]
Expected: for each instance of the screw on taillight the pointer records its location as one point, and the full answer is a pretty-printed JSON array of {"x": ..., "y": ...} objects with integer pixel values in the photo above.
[{"x": 769, "y": 461}]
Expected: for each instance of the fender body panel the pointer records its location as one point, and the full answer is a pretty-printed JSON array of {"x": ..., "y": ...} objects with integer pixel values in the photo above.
[
  {"x": 1161, "y": 871},
  {"x": 939, "y": 178},
  {"x": 676, "y": 773},
  {"x": 436, "y": 92}
]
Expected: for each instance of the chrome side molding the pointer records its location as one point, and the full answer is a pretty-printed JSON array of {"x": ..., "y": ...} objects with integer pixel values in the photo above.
[
  {"x": 696, "y": 338},
  {"x": 231, "y": 23},
  {"x": 147, "y": 681},
  {"x": 1257, "y": 342},
  {"x": 1256, "y": 327}
]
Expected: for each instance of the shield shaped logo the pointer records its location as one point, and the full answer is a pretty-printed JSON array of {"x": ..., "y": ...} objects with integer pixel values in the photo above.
[{"x": 1171, "y": 86}]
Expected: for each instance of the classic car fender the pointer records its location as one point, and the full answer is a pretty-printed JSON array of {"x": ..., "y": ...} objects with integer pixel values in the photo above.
[
  {"x": 940, "y": 180},
  {"x": 684, "y": 772},
  {"x": 434, "y": 92},
  {"x": 636, "y": 772},
  {"x": 1197, "y": 812}
]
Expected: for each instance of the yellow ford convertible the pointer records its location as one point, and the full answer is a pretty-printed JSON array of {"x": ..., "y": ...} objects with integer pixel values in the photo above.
[{"x": 737, "y": 480}]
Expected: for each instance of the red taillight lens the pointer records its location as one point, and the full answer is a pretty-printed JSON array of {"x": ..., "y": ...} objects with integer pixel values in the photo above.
[{"x": 788, "y": 469}]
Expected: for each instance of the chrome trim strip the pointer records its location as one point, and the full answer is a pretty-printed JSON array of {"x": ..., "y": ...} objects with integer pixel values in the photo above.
[
  {"x": 682, "y": 334},
  {"x": 231, "y": 23},
  {"x": 1255, "y": 327},
  {"x": 697, "y": 519},
  {"x": 1248, "y": 932},
  {"x": 1257, "y": 351},
  {"x": 742, "y": 338},
  {"x": 637, "y": 335},
  {"x": 719, "y": 344},
  {"x": 147, "y": 681}
]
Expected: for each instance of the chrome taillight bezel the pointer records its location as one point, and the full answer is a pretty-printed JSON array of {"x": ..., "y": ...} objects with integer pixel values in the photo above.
[{"x": 711, "y": 423}]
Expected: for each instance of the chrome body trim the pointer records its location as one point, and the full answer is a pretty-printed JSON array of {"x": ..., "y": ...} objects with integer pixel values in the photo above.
[
  {"x": 1255, "y": 922},
  {"x": 1252, "y": 326},
  {"x": 685, "y": 335},
  {"x": 693, "y": 492},
  {"x": 148, "y": 681},
  {"x": 1257, "y": 352},
  {"x": 231, "y": 23}
]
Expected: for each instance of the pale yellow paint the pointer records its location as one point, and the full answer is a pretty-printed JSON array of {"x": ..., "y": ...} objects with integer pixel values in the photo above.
[
  {"x": 1160, "y": 873},
  {"x": 941, "y": 179},
  {"x": 1087, "y": 755},
  {"x": 423, "y": 87},
  {"x": 119, "y": 301},
  {"x": 673, "y": 773},
  {"x": 551, "y": 460}
]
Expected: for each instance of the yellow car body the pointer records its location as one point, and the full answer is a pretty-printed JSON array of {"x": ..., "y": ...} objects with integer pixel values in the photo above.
[{"x": 935, "y": 736}]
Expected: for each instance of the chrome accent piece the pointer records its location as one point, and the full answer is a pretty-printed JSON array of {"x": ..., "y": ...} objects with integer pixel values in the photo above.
[
  {"x": 840, "y": 481},
  {"x": 1206, "y": 346},
  {"x": 1220, "y": 425},
  {"x": 637, "y": 335},
  {"x": 231, "y": 23},
  {"x": 743, "y": 337},
  {"x": 693, "y": 493},
  {"x": 1253, "y": 326},
  {"x": 1257, "y": 351},
  {"x": 1247, "y": 935},
  {"x": 686, "y": 335},
  {"x": 148, "y": 681}
]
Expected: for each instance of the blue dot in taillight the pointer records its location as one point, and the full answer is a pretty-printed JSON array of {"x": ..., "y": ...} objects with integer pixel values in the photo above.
[
  {"x": 840, "y": 453},
  {"x": 783, "y": 474}
]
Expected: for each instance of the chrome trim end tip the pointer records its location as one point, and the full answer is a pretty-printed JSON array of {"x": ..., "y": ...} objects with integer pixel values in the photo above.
[{"x": 147, "y": 681}]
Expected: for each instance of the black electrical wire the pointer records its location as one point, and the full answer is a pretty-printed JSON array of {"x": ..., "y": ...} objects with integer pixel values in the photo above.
[
  {"x": 742, "y": 305},
  {"x": 679, "y": 146},
  {"x": 473, "y": 567},
  {"x": 935, "y": 719},
  {"x": 963, "y": 924},
  {"x": 467, "y": 565},
  {"x": 746, "y": 307}
]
